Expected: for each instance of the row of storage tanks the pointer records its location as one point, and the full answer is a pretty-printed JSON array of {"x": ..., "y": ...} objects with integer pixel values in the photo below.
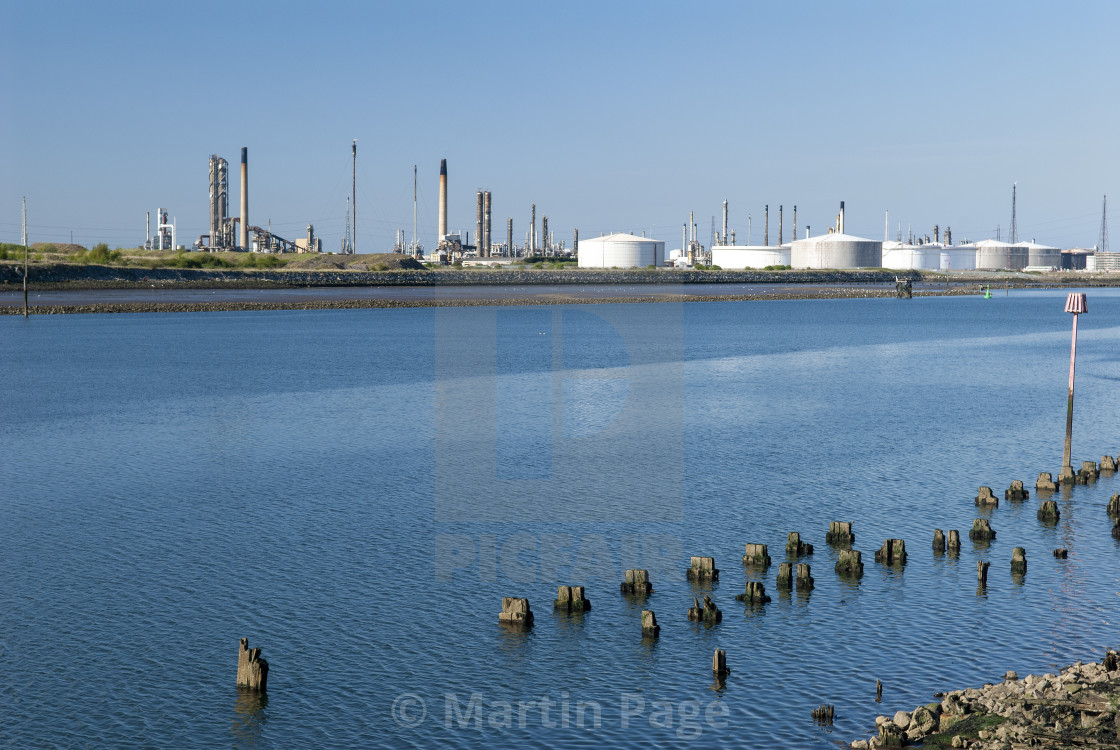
[{"x": 835, "y": 250}]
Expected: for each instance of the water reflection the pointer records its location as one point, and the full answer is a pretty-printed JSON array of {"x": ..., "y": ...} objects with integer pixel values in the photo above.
[
  {"x": 719, "y": 685},
  {"x": 249, "y": 719}
]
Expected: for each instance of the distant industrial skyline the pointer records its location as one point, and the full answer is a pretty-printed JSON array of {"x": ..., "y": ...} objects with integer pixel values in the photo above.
[{"x": 618, "y": 116}]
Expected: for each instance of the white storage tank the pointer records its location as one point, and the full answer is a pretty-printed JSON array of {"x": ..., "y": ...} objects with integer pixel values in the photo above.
[
  {"x": 958, "y": 258},
  {"x": 836, "y": 250},
  {"x": 1042, "y": 256},
  {"x": 994, "y": 255},
  {"x": 901, "y": 257},
  {"x": 750, "y": 256},
  {"x": 620, "y": 251}
]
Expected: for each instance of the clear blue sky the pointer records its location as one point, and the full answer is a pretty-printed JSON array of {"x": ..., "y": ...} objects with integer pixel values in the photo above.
[{"x": 610, "y": 116}]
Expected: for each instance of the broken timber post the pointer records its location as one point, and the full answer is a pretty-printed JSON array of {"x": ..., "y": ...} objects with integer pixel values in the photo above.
[
  {"x": 938, "y": 540},
  {"x": 1045, "y": 482},
  {"x": 954, "y": 541},
  {"x": 637, "y": 582},
  {"x": 986, "y": 497},
  {"x": 252, "y": 670},
  {"x": 850, "y": 563},
  {"x": 982, "y": 571},
  {"x": 1114, "y": 506},
  {"x": 1108, "y": 463},
  {"x": 719, "y": 662},
  {"x": 1018, "y": 560},
  {"x": 515, "y": 611},
  {"x": 804, "y": 577},
  {"x": 1088, "y": 472},
  {"x": 840, "y": 532},
  {"x": 785, "y": 575},
  {"x": 650, "y": 628},
  {"x": 794, "y": 545},
  {"x": 982, "y": 530},
  {"x": 571, "y": 599},
  {"x": 755, "y": 594},
  {"x": 892, "y": 552},
  {"x": 707, "y": 612},
  {"x": 1061, "y": 553},
  {"x": 1049, "y": 512},
  {"x": 756, "y": 554},
  {"x": 1016, "y": 493},
  {"x": 703, "y": 569}
]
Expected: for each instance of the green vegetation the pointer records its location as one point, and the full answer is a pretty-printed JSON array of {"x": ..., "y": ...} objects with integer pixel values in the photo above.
[
  {"x": 702, "y": 267},
  {"x": 968, "y": 728},
  {"x": 10, "y": 251},
  {"x": 213, "y": 260},
  {"x": 776, "y": 268},
  {"x": 100, "y": 255}
]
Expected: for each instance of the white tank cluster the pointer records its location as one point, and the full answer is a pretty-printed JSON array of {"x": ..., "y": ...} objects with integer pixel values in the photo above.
[
  {"x": 993, "y": 255},
  {"x": 958, "y": 258},
  {"x": 902, "y": 257},
  {"x": 750, "y": 256},
  {"x": 1042, "y": 256},
  {"x": 620, "y": 251}
]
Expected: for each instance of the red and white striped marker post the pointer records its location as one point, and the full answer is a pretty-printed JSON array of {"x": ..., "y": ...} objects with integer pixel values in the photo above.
[{"x": 1075, "y": 304}]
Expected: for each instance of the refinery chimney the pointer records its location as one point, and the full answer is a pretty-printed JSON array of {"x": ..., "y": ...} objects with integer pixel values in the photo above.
[
  {"x": 486, "y": 222},
  {"x": 766, "y": 228},
  {"x": 245, "y": 197},
  {"x": 725, "y": 223},
  {"x": 781, "y": 224},
  {"x": 442, "y": 200},
  {"x": 840, "y": 228},
  {"x": 478, "y": 227},
  {"x": 795, "y": 223}
]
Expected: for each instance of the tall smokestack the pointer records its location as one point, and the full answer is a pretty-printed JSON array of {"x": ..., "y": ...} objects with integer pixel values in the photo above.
[
  {"x": 841, "y": 227},
  {"x": 486, "y": 222},
  {"x": 766, "y": 228},
  {"x": 781, "y": 224},
  {"x": 533, "y": 229},
  {"x": 795, "y": 223},
  {"x": 544, "y": 234},
  {"x": 245, "y": 197},
  {"x": 725, "y": 222},
  {"x": 442, "y": 200},
  {"x": 478, "y": 226},
  {"x": 575, "y": 241},
  {"x": 509, "y": 236}
]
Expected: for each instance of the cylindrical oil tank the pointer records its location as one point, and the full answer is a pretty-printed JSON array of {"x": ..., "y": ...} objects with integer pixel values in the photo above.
[
  {"x": 620, "y": 251},
  {"x": 1042, "y": 256},
  {"x": 836, "y": 250},
  {"x": 750, "y": 256},
  {"x": 911, "y": 257},
  {"x": 958, "y": 258},
  {"x": 993, "y": 255}
]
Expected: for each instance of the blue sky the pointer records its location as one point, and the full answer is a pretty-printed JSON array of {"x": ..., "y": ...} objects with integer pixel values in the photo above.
[{"x": 610, "y": 116}]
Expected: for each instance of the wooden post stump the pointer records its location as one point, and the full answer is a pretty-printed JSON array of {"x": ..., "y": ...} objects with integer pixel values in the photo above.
[
  {"x": 515, "y": 611},
  {"x": 982, "y": 571},
  {"x": 981, "y": 531},
  {"x": 985, "y": 496},
  {"x": 954, "y": 541},
  {"x": 1116, "y": 529},
  {"x": 637, "y": 582},
  {"x": 796, "y": 547},
  {"x": 571, "y": 599},
  {"x": 785, "y": 575},
  {"x": 252, "y": 670},
  {"x": 755, "y": 593},
  {"x": 650, "y": 628},
  {"x": 707, "y": 612},
  {"x": 1016, "y": 492},
  {"x": 1045, "y": 482},
  {"x": 840, "y": 532},
  {"x": 702, "y": 569},
  {"x": 1049, "y": 512},
  {"x": 1114, "y": 506},
  {"x": 756, "y": 554},
  {"x": 804, "y": 577},
  {"x": 850, "y": 563},
  {"x": 1061, "y": 553},
  {"x": 893, "y": 552},
  {"x": 938, "y": 540},
  {"x": 1018, "y": 560},
  {"x": 1088, "y": 472},
  {"x": 1108, "y": 463},
  {"x": 719, "y": 662}
]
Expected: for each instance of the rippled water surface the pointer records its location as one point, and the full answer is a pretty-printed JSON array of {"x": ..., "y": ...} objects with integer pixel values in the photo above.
[{"x": 355, "y": 491}]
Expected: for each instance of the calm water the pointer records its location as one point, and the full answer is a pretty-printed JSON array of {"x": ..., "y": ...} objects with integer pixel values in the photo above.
[{"x": 356, "y": 490}]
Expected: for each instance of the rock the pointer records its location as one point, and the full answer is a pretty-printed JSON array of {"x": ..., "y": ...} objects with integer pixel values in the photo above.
[
  {"x": 707, "y": 613},
  {"x": 1111, "y": 661},
  {"x": 1016, "y": 492},
  {"x": 901, "y": 719},
  {"x": 785, "y": 576},
  {"x": 859, "y": 745},
  {"x": 804, "y": 577},
  {"x": 756, "y": 555},
  {"x": 650, "y": 627},
  {"x": 1045, "y": 482},
  {"x": 702, "y": 569},
  {"x": 755, "y": 593},
  {"x": 890, "y": 735},
  {"x": 1011, "y": 676},
  {"x": 1018, "y": 561},
  {"x": 985, "y": 497},
  {"x": 636, "y": 582},
  {"x": 571, "y": 599},
  {"x": 956, "y": 741},
  {"x": 893, "y": 552},
  {"x": 796, "y": 547},
  {"x": 938, "y": 540},
  {"x": 981, "y": 530},
  {"x": 840, "y": 532},
  {"x": 922, "y": 720},
  {"x": 515, "y": 612},
  {"x": 1049, "y": 513},
  {"x": 252, "y": 670},
  {"x": 850, "y": 563},
  {"x": 880, "y": 720}
]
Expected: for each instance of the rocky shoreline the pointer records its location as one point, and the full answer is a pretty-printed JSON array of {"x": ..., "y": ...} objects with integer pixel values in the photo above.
[{"x": 1078, "y": 707}]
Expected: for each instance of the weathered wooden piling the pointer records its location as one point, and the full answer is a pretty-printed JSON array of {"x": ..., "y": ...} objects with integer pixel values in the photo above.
[
  {"x": 850, "y": 563},
  {"x": 938, "y": 540},
  {"x": 985, "y": 496},
  {"x": 824, "y": 714},
  {"x": 804, "y": 577},
  {"x": 756, "y": 554},
  {"x": 1045, "y": 482},
  {"x": 890, "y": 735},
  {"x": 1116, "y": 529},
  {"x": 252, "y": 670},
  {"x": 981, "y": 531},
  {"x": 785, "y": 575},
  {"x": 636, "y": 582},
  {"x": 878, "y": 691},
  {"x": 719, "y": 662},
  {"x": 1088, "y": 472},
  {"x": 1061, "y": 553},
  {"x": 840, "y": 532},
  {"x": 1114, "y": 506},
  {"x": 1016, "y": 492},
  {"x": 893, "y": 552},
  {"x": 1111, "y": 661},
  {"x": 571, "y": 599},
  {"x": 1018, "y": 560},
  {"x": 755, "y": 593},
  {"x": 1108, "y": 463},
  {"x": 650, "y": 628},
  {"x": 1049, "y": 512},
  {"x": 954, "y": 541},
  {"x": 706, "y": 612},
  {"x": 982, "y": 571},
  {"x": 702, "y": 569},
  {"x": 515, "y": 611},
  {"x": 794, "y": 545}
]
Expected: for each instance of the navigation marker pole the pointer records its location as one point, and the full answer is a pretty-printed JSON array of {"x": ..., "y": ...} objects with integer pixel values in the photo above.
[
  {"x": 25, "y": 256},
  {"x": 1075, "y": 304}
]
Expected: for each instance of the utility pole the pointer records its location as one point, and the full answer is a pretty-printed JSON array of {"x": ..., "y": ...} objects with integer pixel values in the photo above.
[
  {"x": 25, "y": 256},
  {"x": 1102, "y": 242},
  {"x": 413, "y": 210},
  {"x": 354, "y": 193}
]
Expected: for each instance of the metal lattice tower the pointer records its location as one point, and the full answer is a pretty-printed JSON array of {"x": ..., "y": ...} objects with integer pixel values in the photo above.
[
  {"x": 1102, "y": 242},
  {"x": 1013, "y": 233}
]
